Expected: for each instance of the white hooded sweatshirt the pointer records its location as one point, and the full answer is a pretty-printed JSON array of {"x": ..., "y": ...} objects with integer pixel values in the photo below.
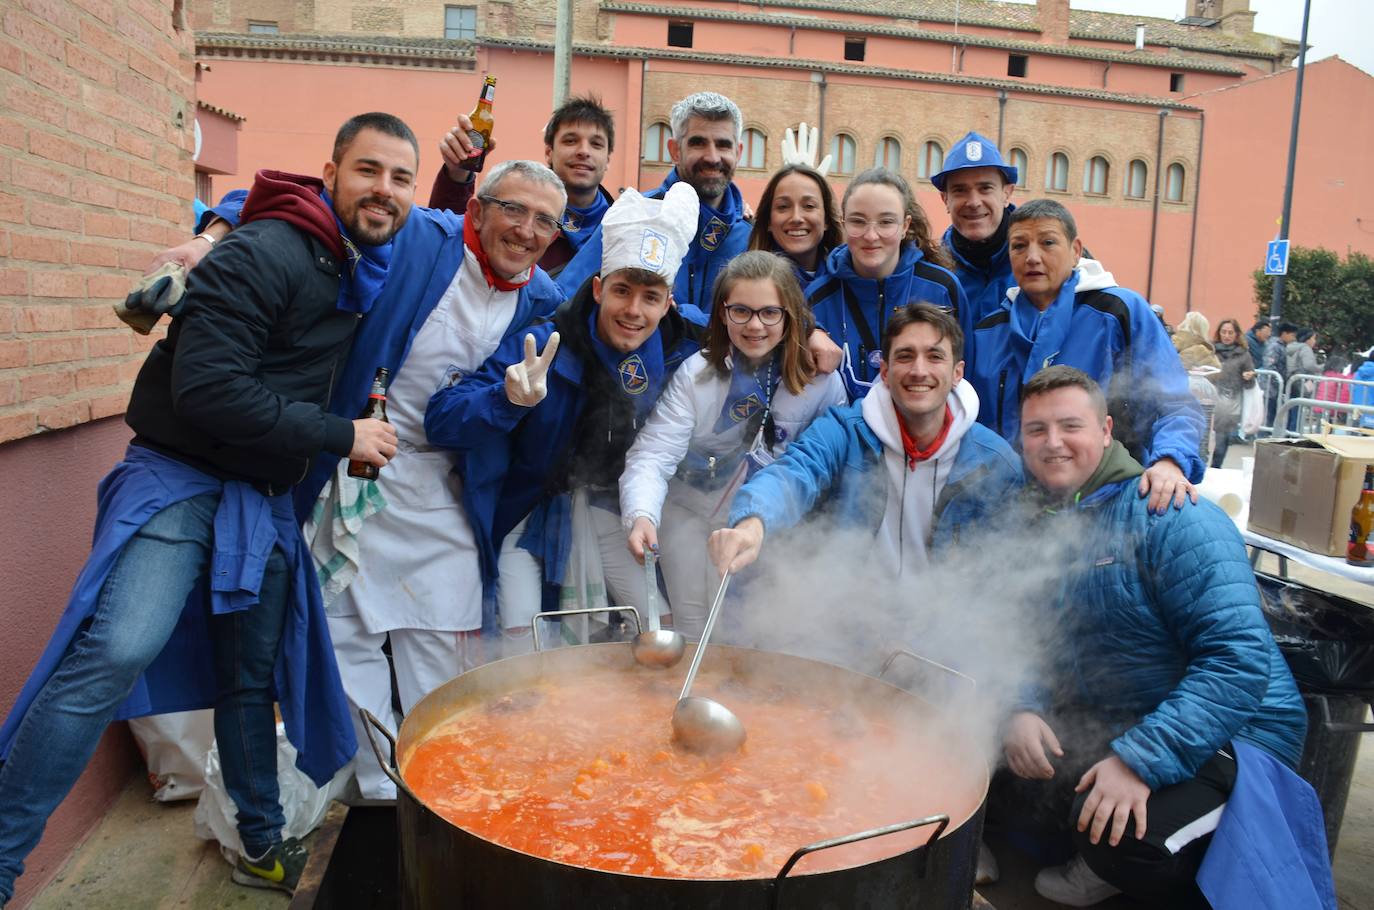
[{"x": 912, "y": 493}]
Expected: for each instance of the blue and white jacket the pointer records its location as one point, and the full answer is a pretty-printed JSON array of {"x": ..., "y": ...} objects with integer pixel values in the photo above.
[
  {"x": 1103, "y": 330},
  {"x": 850, "y": 468},
  {"x": 985, "y": 289},
  {"x": 854, "y": 310}
]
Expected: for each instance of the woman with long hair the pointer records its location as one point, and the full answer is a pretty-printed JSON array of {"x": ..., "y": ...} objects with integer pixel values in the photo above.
[
  {"x": 731, "y": 408},
  {"x": 1237, "y": 374},
  {"x": 798, "y": 219},
  {"x": 890, "y": 258}
]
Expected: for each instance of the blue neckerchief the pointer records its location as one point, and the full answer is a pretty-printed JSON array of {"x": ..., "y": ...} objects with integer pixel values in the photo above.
[
  {"x": 365, "y": 276},
  {"x": 639, "y": 374},
  {"x": 750, "y": 398},
  {"x": 713, "y": 225},
  {"x": 579, "y": 224},
  {"x": 1037, "y": 338}
]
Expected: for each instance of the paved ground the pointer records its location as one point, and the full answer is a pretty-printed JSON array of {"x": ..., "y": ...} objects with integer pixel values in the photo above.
[{"x": 144, "y": 854}]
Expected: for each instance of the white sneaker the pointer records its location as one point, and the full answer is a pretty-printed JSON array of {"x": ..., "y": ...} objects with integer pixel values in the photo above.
[
  {"x": 1073, "y": 884},
  {"x": 988, "y": 872}
]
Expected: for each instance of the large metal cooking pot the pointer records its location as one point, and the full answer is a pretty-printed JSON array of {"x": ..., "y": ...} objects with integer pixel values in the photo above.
[{"x": 445, "y": 866}]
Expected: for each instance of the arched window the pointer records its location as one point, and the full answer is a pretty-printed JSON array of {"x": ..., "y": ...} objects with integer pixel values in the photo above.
[
  {"x": 753, "y": 150},
  {"x": 889, "y": 154},
  {"x": 1021, "y": 162},
  {"x": 1095, "y": 176},
  {"x": 842, "y": 154},
  {"x": 1136, "y": 175},
  {"x": 656, "y": 142},
  {"x": 1173, "y": 183},
  {"x": 932, "y": 159},
  {"x": 1057, "y": 173}
]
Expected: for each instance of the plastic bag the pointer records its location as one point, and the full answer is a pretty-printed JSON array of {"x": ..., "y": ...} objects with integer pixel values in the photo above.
[
  {"x": 174, "y": 748},
  {"x": 303, "y": 804},
  {"x": 1252, "y": 410}
]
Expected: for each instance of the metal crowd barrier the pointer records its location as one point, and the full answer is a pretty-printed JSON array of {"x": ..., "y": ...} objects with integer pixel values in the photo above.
[
  {"x": 1271, "y": 383},
  {"x": 1304, "y": 386},
  {"x": 1311, "y": 413}
]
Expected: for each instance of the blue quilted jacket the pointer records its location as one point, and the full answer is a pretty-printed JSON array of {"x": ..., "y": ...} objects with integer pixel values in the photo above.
[{"x": 1161, "y": 620}]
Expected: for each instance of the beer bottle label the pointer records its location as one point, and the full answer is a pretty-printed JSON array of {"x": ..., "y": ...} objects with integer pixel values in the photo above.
[{"x": 479, "y": 142}]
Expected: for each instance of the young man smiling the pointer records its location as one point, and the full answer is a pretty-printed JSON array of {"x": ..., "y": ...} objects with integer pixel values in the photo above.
[
  {"x": 907, "y": 461},
  {"x": 554, "y": 412},
  {"x": 227, "y": 412},
  {"x": 1161, "y": 682}
]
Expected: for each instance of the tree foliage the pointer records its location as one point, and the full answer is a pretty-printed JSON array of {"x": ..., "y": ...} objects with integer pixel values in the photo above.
[{"x": 1334, "y": 297}]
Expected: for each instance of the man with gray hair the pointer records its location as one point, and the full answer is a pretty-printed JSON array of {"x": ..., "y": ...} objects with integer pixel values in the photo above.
[
  {"x": 396, "y": 556},
  {"x": 704, "y": 147}
]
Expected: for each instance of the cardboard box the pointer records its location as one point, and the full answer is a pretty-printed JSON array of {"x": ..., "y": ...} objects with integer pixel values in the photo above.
[{"x": 1303, "y": 489}]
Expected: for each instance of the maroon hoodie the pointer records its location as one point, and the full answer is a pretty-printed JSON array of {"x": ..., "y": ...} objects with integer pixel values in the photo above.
[{"x": 297, "y": 200}]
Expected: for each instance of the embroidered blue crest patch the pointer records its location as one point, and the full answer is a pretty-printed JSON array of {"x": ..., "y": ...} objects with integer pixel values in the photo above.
[
  {"x": 634, "y": 378},
  {"x": 713, "y": 233},
  {"x": 745, "y": 408}
]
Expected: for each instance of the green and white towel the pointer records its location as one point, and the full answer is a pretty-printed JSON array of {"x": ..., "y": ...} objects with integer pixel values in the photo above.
[{"x": 335, "y": 522}]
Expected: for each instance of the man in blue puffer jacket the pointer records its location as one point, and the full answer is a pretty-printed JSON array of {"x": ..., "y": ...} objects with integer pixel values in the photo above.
[
  {"x": 1067, "y": 310},
  {"x": 1162, "y": 664},
  {"x": 907, "y": 463}
]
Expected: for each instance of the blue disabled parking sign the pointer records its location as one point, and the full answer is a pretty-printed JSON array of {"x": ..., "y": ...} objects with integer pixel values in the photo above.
[{"x": 1276, "y": 258}]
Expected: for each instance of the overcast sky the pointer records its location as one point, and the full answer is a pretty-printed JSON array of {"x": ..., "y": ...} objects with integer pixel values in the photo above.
[{"x": 1342, "y": 27}]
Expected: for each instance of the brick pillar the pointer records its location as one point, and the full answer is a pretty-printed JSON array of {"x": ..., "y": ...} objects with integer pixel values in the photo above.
[
  {"x": 1053, "y": 18},
  {"x": 95, "y": 176}
]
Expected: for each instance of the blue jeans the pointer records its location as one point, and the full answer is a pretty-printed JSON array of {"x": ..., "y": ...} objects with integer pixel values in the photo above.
[{"x": 134, "y": 616}]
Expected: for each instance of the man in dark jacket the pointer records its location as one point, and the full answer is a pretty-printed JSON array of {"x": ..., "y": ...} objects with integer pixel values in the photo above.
[
  {"x": 976, "y": 186},
  {"x": 227, "y": 412},
  {"x": 1162, "y": 673},
  {"x": 1256, "y": 339}
]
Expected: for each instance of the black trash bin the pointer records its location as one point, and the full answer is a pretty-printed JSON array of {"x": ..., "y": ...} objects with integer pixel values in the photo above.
[{"x": 1328, "y": 641}]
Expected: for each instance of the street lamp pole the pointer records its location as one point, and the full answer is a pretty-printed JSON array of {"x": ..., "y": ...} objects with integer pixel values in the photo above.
[{"x": 1276, "y": 311}]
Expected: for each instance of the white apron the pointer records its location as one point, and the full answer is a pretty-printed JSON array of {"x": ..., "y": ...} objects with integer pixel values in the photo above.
[{"x": 419, "y": 566}]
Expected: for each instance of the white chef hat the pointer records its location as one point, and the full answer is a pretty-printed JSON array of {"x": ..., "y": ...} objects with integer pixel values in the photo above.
[{"x": 649, "y": 234}]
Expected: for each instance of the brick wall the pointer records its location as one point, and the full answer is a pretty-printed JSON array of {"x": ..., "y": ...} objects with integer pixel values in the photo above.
[{"x": 95, "y": 176}]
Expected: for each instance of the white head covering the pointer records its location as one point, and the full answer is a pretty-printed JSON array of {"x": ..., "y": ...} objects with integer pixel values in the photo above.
[{"x": 649, "y": 234}]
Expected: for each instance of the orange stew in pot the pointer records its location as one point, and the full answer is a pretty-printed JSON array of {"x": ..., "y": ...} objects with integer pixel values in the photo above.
[{"x": 584, "y": 772}]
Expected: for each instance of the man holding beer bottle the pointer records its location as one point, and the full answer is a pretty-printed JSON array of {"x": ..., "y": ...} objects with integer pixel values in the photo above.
[
  {"x": 578, "y": 142},
  {"x": 227, "y": 411}
]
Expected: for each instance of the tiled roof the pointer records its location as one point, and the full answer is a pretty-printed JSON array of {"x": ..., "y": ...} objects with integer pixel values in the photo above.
[
  {"x": 1082, "y": 23},
  {"x": 429, "y": 52},
  {"x": 1171, "y": 61},
  {"x": 223, "y": 112},
  {"x": 827, "y": 66}
]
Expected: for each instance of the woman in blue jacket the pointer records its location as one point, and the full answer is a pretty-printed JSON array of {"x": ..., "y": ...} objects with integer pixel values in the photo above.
[
  {"x": 889, "y": 259},
  {"x": 797, "y": 219}
]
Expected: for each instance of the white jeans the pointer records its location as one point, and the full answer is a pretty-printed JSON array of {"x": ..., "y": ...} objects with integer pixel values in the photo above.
[
  {"x": 423, "y": 660},
  {"x": 687, "y": 569}
]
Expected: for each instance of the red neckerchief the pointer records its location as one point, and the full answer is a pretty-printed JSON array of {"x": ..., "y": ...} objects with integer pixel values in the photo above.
[
  {"x": 915, "y": 453},
  {"x": 493, "y": 280}
]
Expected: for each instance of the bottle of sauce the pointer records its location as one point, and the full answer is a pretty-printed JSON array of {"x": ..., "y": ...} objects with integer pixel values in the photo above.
[
  {"x": 482, "y": 124},
  {"x": 375, "y": 407},
  {"x": 1358, "y": 551}
]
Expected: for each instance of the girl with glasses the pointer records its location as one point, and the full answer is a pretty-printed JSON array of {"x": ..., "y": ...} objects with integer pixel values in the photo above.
[
  {"x": 797, "y": 218},
  {"x": 889, "y": 259},
  {"x": 730, "y": 409}
]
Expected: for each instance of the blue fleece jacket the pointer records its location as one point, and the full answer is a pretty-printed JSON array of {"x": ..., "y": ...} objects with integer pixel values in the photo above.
[{"x": 838, "y": 292}]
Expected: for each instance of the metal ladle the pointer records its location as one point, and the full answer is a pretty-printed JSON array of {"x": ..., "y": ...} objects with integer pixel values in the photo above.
[
  {"x": 656, "y": 646},
  {"x": 701, "y": 724}
]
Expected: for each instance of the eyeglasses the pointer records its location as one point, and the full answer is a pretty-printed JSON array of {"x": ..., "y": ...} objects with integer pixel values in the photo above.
[
  {"x": 885, "y": 227},
  {"x": 740, "y": 314},
  {"x": 518, "y": 214}
]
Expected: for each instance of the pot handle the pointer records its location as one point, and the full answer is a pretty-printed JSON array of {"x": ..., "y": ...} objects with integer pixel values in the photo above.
[
  {"x": 555, "y": 614},
  {"x": 388, "y": 767},
  {"x": 941, "y": 821},
  {"x": 1336, "y": 727},
  {"x": 925, "y": 663}
]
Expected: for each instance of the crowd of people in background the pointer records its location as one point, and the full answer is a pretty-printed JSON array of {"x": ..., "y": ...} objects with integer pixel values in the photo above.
[{"x": 580, "y": 379}]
